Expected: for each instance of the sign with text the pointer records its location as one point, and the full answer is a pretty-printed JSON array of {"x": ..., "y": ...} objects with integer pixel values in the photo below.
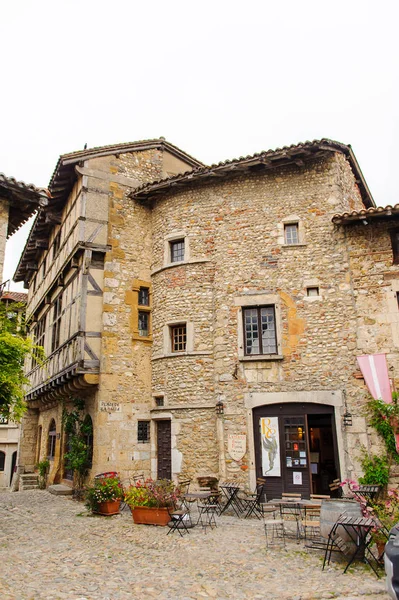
[
  {"x": 109, "y": 406},
  {"x": 236, "y": 446}
]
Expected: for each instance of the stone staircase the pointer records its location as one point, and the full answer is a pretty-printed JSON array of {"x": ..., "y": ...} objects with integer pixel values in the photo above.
[{"x": 28, "y": 481}]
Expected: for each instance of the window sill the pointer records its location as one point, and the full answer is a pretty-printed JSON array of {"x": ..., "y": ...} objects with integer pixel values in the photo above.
[
  {"x": 181, "y": 354},
  {"x": 193, "y": 261},
  {"x": 260, "y": 357},
  {"x": 300, "y": 245}
]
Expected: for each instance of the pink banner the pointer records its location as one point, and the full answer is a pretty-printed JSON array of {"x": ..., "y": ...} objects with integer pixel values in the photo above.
[{"x": 375, "y": 372}]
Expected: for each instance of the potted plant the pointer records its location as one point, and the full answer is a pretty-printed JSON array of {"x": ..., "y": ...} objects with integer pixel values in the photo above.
[
  {"x": 386, "y": 514},
  {"x": 104, "y": 496},
  {"x": 150, "y": 501},
  {"x": 43, "y": 467}
]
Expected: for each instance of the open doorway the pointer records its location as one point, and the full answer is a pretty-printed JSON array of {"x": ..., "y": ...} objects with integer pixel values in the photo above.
[{"x": 321, "y": 452}]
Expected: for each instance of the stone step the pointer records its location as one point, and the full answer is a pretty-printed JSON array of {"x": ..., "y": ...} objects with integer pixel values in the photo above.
[
  {"x": 28, "y": 481},
  {"x": 60, "y": 489},
  {"x": 28, "y": 487}
]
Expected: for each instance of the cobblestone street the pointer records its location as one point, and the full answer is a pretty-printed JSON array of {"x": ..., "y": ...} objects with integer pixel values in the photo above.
[{"x": 51, "y": 548}]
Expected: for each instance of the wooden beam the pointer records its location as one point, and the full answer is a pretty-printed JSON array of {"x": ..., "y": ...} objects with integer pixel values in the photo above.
[
  {"x": 53, "y": 218},
  {"x": 41, "y": 243}
]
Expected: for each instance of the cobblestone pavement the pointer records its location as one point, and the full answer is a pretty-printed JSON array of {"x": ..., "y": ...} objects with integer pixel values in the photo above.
[{"x": 50, "y": 548}]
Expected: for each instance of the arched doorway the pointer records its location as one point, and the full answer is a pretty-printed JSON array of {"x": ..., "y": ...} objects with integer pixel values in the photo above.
[{"x": 296, "y": 448}]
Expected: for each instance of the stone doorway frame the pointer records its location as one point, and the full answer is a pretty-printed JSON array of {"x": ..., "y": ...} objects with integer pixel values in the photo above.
[{"x": 333, "y": 398}]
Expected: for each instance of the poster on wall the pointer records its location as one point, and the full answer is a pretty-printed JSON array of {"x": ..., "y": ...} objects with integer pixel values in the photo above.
[
  {"x": 297, "y": 478},
  {"x": 270, "y": 443}
]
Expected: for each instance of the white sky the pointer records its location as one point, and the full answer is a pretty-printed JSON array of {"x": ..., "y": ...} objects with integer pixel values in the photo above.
[{"x": 219, "y": 79}]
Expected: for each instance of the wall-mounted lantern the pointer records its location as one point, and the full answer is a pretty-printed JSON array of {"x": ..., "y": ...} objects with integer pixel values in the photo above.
[{"x": 219, "y": 407}]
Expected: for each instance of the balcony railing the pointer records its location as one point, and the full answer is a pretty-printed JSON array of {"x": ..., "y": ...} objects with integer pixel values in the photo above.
[{"x": 70, "y": 358}]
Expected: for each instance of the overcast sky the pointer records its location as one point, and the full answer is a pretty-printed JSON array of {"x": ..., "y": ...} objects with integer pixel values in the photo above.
[{"x": 219, "y": 79}]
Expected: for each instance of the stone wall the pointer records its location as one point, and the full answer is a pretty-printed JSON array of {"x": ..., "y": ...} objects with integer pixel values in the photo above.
[
  {"x": 3, "y": 232},
  {"x": 235, "y": 232}
]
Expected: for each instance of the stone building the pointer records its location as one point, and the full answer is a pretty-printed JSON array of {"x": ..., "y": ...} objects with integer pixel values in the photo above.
[
  {"x": 209, "y": 316},
  {"x": 18, "y": 201}
]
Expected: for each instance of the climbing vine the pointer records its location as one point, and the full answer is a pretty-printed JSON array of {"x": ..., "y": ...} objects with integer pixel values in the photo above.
[
  {"x": 78, "y": 430},
  {"x": 385, "y": 420}
]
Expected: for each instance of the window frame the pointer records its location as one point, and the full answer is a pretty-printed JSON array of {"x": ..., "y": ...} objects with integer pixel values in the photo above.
[
  {"x": 3, "y": 457},
  {"x": 144, "y": 332},
  {"x": 180, "y": 252},
  {"x": 56, "y": 323},
  {"x": 51, "y": 440},
  {"x": 286, "y": 236},
  {"x": 172, "y": 330},
  {"x": 140, "y": 438},
  {"x": 144, "y": 290},
  {"x": 259, "y": 325},
  {"x": 394, "y": 234},
  {"x": 254, "y": 300}
]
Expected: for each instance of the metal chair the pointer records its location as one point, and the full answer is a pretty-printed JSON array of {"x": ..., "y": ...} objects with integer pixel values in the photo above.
[
  {"x": 178, "y": 517},
  {"x": 274, "y": 528},
  {"x": 253, "y": 503}
]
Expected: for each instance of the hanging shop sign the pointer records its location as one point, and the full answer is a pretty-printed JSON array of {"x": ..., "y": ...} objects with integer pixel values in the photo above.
[
  {"x": 236, "y": 446},
  {"x": 270, "y": 441}
]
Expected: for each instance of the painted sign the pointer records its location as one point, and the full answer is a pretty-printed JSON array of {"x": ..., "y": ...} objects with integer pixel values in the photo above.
[
  {"x": 297, "y": 478},
  {"x": 236, "y": 446},
  {"x": 270, "y": 442},
  {"x": 109, "y": 406}
]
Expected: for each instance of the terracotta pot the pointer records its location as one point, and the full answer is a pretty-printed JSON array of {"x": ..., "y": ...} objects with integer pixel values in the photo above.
[
  {"x": 150, "y": 516},
  {"x": 111, "y": 507}
]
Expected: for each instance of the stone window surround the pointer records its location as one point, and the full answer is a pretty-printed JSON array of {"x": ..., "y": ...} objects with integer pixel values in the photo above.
[
  {"x": 312, "y": 283},
  {"x": 253, "y": 300},
  {"x": 136, "y": 307},
  {"x": 167, "y": 340},
  {"x": 174, "y": 237},
  {"x": 291, "y": 220}
]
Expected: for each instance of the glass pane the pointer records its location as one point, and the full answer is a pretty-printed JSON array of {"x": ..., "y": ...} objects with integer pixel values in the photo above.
[
  {"x": 144, "y": 298},
  {"x": 251, "y": 331},
  {"x": 177, "y": 251},
  {"x": 291, "y": 234},
  {"x": 268, "y": 330},
  {"x": 143, "y": 323}
]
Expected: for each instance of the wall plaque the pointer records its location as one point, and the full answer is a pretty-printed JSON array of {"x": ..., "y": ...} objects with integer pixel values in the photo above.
[
  {"x": 236, "y": 446},
  {"x": 109, "y": 406}
]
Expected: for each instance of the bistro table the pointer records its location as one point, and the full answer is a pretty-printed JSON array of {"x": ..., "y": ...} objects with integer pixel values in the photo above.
[
  {"x": 230, "y": 490},
  {"x": 359, "y": 531}
]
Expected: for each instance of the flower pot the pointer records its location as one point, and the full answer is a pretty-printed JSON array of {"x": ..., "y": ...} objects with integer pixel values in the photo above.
[
  {"x": 150, "y": 516},
  {"x": 110, "y": 507}
]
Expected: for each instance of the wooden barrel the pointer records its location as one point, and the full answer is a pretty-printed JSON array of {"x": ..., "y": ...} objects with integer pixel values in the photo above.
[{"x": 332, "y": 509}]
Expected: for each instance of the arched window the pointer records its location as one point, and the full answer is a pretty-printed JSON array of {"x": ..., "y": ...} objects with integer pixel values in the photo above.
[
  {"x": 52, "y": 436},
  {"x": 2, "y": 460},
  {"x": 87, "y": 431}
]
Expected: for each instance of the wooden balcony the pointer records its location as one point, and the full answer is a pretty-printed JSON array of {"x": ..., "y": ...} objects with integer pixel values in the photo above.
[{"x": 73, "y": 366}]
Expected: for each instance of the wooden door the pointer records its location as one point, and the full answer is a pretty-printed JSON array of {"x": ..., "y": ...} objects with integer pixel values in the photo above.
[
  {"x": 164, "y": 450},
  {"x": 291, "y": 450}
]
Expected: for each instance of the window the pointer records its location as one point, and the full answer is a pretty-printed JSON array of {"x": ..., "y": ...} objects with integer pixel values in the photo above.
[
  {"x": 44, "y": 267},
  {"x": 56, "y": 244},
  {"x": 178, "y": 334},
  {"x": 143, "y": 323},
  {"x": 2, "y": 460},
  {"x": 159, "y": 401},
  {"x": 144, "y": 296},
  {"x": 143, "y": 431},
  {"x": 55, "y": 337},
  {"x": 3, "y": 421},
  {"x": 52, "y": 436},
  {"x": 260, "y": 330},
  {"x": 312, "y": 291},
  {"x": 176, "y": 251},
  {"x": 39, "y": 333},
  {"x": 291, "y": 235},
  {"x": 395, "y": 246}
]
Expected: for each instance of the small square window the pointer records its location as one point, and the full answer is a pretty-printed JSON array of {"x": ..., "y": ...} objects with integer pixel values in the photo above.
[
  {"x": 143, "y": 431},
  {"x": 395, "y": 246},
  {"x": 177, "y": 251},
  {"x": 291, "y": 234},
  {"x": 143, "y": 323},
  {"x": 179, "y": 338},
  {"x": 144, "y": 296},
  {"x": 159, "y": 401},
  {"x": 312, "y": 291}
]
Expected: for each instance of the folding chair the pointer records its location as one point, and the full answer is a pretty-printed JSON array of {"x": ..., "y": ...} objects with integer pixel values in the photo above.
[
  {"x": 178, "y": 518},
  {"x": 311, "y": 522},
  {"x": 252, "y": 503},
  {"x": 335, "y": 488},
  {"x": 207, "y": 515}
]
